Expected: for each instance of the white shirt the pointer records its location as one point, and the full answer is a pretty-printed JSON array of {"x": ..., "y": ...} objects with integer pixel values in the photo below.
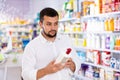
[{"x": 39, "y": 53}]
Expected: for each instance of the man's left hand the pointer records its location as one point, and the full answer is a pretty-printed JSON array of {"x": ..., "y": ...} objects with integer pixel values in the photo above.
[{"x": 70, "y": 64}]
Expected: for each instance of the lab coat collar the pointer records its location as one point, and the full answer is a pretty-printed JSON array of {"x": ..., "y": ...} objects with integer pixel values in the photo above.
[{"x": 43, "y": 40}]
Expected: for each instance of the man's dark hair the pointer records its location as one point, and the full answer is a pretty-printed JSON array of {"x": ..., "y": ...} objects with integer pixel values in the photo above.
[{"x": 48, "y": 12}]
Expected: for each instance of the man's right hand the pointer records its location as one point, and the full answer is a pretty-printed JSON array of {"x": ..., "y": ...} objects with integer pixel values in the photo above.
[
  {"x": 49, "y": 69},
  {"x": 52, "y": 67}
]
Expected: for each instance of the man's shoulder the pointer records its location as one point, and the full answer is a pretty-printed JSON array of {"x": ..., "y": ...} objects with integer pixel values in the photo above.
[
  {"x": 34, "y": 41},
  {"x": 64, "y": 36}
]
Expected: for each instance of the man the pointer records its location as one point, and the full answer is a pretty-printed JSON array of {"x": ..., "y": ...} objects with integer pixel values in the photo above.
[{"x": 39, "y": 57}]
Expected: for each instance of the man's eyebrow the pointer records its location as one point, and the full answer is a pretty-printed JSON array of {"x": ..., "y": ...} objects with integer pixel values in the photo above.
[{"x": 49, "y": 22}]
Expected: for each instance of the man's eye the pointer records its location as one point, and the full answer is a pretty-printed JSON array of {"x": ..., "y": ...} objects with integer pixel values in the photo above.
[
  {"x": 48, "y": 24},
  {"x": 56, "y": 24}
]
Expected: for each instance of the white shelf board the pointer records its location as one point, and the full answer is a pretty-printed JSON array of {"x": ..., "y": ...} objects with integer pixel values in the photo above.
[
  {"x": 102, "y": 15},
  {"x": 68, "y": 19},
  {"x": 104, "y": 32},
  {"x": 72, "y": 32},
  {"x": 101, "y": 66},
  {"x": 83, "y": 78},
  {"x": 100, "y": 32},
  {"x": 85, "y": 48}
]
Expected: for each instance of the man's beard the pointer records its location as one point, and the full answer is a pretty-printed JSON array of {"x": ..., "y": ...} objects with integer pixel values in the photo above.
[{"x": 49, "y": 35}]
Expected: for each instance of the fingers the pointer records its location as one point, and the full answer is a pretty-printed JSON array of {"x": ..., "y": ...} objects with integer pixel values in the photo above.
[
  {"x": 59, "y": 66},
  {"x": 52, "y": 62},
  {"x": 52, "y": 68},
  {"x": 70, "y": 64}
]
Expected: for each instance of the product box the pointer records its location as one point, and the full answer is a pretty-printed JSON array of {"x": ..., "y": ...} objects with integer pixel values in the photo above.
[
  {"x": 105, "y": 8},
  {"x": 109, "y": 75},
  {"x": 86, "y": 7},
  {"x": 117, "y": 6}
]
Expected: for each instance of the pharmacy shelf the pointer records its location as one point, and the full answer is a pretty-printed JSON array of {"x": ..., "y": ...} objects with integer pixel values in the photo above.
[
  {"x": 83, "y": 78},
  {"x": 72, "y": 32},
  {"x": 102, "y": 15},
  {"x": 98, "y": 32},
  {"x": 101, "y": 66},
  {"x": 9, "y": 60},
  {"x": 68, "y": 19},
  {"x": 104, "y": 32},
  {"x": 99, "y": 49}
]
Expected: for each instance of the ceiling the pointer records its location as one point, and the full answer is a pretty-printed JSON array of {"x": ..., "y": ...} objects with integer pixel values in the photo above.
[{"x": 25, "y": 9}]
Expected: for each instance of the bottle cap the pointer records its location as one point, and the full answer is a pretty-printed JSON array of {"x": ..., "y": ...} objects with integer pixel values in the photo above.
[{"x": 68, "y": 50}]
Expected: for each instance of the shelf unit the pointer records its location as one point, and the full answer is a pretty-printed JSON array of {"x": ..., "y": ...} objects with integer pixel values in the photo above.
[
  {"x": 101, "y": 66},
  {"x": 19, "y": 33},
  {"x": 68, "y": 19},
  {"x": 84, "y": 48},
  {"x": 9, "y": 65},
  {"x": 100, "y": 33},
  {"x": 110, "y": 14},
  {"x": 83, "y": 78}
]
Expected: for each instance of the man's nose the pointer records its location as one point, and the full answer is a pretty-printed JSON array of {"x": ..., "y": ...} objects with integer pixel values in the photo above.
[{"x": 53, "y": 26}]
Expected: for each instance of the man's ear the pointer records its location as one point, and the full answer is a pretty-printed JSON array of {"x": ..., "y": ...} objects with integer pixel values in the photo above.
[{"x": 40, "y": 23}]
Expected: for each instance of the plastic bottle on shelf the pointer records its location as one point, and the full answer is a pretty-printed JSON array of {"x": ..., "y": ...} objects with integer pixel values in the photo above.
[
  {"x": 117, "y": 64},
  {"x": 9, "y": 46},
  {"x": 103, "y": 42},
  {"x": 112, "y": 42},
  {"x": 92, "y": 9},
  {"x": 116, "y": 23},
  {"x": 109, "y": 74},
  {"x": 106, "y": 25},
  {"x": 93, "y": 41},
  {"x": 98, "y": 42},
  {"x": 63, "y": 57},
  {"x": 97, "y": 57},
  {"x": 119, "y": 24},
  {"x": 102, "y": 74},
  {"x": 1, "y": 57},
  {"x": 117, "y": 43},
  {"x": 107, "y": 42},
  {"x": 106, "y": 56},
  {"x": 84, "y": 42},
  {"x": 113, "y": 62},
  {"x": 96, "y": 74},
  {"x": 89, "y": 72},
  {"x": 89, "y": 40},
  {"x": 101, "y": 26},
  {"x": 76, "y": 40},
  {"x": 117, "y": 76},
  {"x": 111, "y": 24}
]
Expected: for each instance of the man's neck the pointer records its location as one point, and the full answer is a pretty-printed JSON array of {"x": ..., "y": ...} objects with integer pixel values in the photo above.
[{"x": 48, "y": 38}]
